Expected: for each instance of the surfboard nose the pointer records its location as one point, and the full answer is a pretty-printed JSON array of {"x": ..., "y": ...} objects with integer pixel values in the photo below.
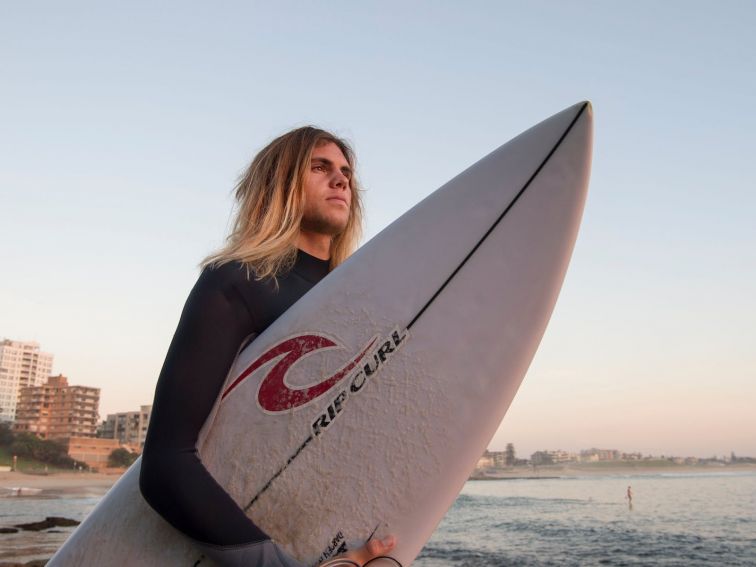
[
  {"x": 565, "y": 121},
  {"x": 587, "y": 111}
]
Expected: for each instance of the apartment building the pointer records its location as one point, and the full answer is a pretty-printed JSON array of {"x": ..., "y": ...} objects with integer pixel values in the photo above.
[
  {"x": 56, "y": 410},
  {"x": 22, "y": 364},
  {"x": 129, "y": 428}
]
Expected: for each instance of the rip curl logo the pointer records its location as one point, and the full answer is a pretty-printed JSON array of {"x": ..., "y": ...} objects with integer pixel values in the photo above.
[
  {"x": 359, "y": 371},
  {"x": 380, "y": 355},
  {"x": 274, "y": 395}
]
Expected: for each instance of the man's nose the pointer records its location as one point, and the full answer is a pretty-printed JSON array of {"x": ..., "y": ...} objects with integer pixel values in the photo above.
[{"x": 340, "y": 180}]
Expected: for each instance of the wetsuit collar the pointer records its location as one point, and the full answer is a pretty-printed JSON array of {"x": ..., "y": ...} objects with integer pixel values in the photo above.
[{"x": 311, "y": 268}]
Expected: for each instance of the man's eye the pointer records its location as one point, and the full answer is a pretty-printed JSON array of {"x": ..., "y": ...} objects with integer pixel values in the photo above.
[{"x": 318, "y": 168}]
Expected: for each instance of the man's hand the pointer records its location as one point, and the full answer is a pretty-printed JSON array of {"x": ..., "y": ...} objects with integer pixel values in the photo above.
[{"x": 372, "y": 549}]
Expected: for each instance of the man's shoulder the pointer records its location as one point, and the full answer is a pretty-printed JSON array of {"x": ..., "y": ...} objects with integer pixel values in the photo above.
[
  {"x": 231, "y": 275},
  {"x": 224, "y": 277},
  {"x": 232, "y": 269}
]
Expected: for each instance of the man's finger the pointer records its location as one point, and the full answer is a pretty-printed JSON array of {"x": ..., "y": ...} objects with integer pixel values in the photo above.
[{"x": 381, "y": 546}]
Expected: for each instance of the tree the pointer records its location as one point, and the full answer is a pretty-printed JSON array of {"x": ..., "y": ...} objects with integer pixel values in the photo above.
[
  {"x": 6, "y": 434},
  {"x": 509, "y": 457},
  {"x": 45, "y": 450},
  {"x": 121, "y": 458}
]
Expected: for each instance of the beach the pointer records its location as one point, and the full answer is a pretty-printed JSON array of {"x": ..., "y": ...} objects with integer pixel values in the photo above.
[{"x": 60, "y": 483}]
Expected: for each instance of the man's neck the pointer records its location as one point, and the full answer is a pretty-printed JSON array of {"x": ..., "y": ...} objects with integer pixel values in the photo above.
[{"x": 315, "y": 244}]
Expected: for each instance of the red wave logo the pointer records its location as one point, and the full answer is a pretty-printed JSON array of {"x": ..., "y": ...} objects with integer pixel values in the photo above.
[{"x": 274, "y": 395}]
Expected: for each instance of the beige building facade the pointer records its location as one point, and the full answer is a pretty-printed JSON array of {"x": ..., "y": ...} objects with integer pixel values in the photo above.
[{"x": 56, "y": 410}]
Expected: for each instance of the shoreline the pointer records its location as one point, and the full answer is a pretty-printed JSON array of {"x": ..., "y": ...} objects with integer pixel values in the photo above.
[
  {"x": 58, "y": 483},
  {"x": 19, "y": 491},
  {"x": 575, "y": 470},
  {"x": 72, "y": 482}
]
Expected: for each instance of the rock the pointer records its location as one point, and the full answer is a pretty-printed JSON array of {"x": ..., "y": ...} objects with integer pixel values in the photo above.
[
  {"x": 49, "y": 522},
  {"x": 8, "y": 530}
]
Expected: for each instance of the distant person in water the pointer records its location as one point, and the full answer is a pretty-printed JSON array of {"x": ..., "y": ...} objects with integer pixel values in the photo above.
[{"x": 629, "y": 497}]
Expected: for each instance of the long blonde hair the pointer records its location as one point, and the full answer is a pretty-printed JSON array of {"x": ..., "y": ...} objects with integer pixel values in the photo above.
[{"x": 270, "y": 204}]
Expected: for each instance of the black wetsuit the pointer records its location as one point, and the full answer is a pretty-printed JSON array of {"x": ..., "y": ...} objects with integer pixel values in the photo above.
[{"x": 224, "y": 309}]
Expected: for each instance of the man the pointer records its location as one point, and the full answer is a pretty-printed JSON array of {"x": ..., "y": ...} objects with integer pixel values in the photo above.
[{"x": 299, "y": 215}]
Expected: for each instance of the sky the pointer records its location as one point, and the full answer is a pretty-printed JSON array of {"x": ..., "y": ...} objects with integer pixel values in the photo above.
[{"x": 123, "y": 128}]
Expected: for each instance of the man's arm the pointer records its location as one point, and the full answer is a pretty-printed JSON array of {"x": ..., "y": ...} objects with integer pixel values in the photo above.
[{"x": 173, "y": 480}]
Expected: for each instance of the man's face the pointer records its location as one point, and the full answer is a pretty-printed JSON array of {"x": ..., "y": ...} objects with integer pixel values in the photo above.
[{"x": 328, "y": 195}]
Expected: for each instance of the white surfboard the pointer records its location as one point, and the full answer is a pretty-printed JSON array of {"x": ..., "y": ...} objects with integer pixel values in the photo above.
[{"x": 363, "y": 409}]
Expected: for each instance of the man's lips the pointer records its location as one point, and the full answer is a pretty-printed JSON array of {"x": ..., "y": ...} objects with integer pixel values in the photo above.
[{"x": 339, "y": 199}]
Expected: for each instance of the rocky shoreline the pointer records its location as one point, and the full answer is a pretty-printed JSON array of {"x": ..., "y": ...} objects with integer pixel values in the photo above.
[
  {"x": 36, "y": 520},
  {"x": 46, "y": 524}
]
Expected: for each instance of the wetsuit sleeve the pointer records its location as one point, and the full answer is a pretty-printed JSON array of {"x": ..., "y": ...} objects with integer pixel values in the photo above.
[
  {"x": 260, "y": 554},
  {"x": 173, "y": 480}
]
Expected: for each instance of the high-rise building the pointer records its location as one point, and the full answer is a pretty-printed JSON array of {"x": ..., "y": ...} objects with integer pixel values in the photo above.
[
  {"x": 56, "y": 410},
  {"x": 22, "y": 364},
  {"x": 130, "y": 427}
]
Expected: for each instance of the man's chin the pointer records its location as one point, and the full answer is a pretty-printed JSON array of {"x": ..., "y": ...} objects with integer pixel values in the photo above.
[{"x": 323, "y": 226}]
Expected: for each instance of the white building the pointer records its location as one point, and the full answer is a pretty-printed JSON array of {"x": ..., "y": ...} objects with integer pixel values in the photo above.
[
  {"x": 594, "y": 455},
  {"x": 21, "y": 364},
  {"x": 552, "y": 457}
]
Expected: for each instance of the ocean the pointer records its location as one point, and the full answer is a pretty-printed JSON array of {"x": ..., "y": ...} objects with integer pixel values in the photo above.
[{"x": 675, "y": 520}]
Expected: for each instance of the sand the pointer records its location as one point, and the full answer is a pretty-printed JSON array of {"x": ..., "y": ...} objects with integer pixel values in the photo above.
[{"x": 60, "y": 483}]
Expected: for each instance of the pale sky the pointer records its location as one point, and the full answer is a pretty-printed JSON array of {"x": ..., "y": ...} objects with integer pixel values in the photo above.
[{"x": 123, "y": 128}]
